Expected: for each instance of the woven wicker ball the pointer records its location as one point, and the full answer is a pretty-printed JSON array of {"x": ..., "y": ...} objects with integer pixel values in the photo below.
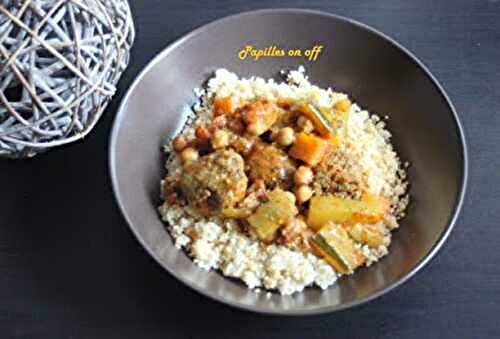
[{"x": 60, "y": 61}]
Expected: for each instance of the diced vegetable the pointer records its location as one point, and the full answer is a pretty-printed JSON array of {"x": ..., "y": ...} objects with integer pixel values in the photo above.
[
  {"x": 309, "y": 148},
  {"x": 320, "y": 118},
  {"x": 334, "y": 244},
  {"x": 260, "y": 116},
  {"x": 328, "y": 124},
  {"x": 226, "y": 105},
  {"x": 370, "y": 235},
  {"x": 271, "y": 215},
  {"x": 324, "y": 209}
]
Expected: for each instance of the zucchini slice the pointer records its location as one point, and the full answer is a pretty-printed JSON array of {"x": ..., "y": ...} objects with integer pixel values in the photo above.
[
  {"x": 334, "y": 244},
  {"x": 326, "y": 123}
]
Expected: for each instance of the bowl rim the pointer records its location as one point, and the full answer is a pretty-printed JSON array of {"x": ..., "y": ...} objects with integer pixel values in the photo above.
[{"x": 322, "y": 310}]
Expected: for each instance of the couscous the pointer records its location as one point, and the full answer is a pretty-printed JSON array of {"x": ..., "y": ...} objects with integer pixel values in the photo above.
[{"x": 282, "y": 185}]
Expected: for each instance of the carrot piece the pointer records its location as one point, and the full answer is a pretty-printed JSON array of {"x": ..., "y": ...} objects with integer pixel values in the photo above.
[
  {"x": 226, "y": 105},
  {"x": 309, "y": 148}
]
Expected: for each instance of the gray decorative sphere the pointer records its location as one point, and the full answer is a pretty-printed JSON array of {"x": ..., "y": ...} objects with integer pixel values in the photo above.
[{"x": 60, "y": 61}]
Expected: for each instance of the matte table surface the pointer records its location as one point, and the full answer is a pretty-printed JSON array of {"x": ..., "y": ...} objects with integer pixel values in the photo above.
[{"x": 70, "y": 267}]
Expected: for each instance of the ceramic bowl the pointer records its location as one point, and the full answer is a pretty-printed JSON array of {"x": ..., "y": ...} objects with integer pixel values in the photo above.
[{"x": 377, "y": 72}]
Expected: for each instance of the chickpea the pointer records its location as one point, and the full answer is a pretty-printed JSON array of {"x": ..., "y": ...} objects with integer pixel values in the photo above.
[
  {"x": 305, "y": 124},
  {"x": 202, "y": 134},
  {"x": 303, "y": 176},
  {"x": 286, "y": 136},
  {"x": 179, "y": 143},
  {"x": 189, "y": 154},
  {"x": 303, "y": 193},
  {"x": 220, "y": 139}
]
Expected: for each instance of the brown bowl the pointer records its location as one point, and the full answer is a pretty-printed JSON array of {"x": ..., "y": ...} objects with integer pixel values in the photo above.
[{"x": 377, "y": 72}]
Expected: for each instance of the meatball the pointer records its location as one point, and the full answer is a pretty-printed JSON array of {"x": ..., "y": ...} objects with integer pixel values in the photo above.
[
  {"x": 272, "y": 165},
  {"x": 214, "y": 181}
]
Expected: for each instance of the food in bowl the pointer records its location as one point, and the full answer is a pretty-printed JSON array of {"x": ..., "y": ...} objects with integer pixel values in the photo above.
[{"x": 282, "y": 185}]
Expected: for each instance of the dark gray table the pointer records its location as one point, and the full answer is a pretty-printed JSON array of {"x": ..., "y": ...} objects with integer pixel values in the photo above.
[{"x": 70, "y": 268}]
